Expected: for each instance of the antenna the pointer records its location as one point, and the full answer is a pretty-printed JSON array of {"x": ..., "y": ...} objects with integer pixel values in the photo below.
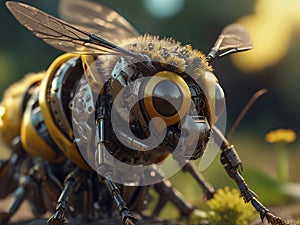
[{"x": 246, "y": 108}]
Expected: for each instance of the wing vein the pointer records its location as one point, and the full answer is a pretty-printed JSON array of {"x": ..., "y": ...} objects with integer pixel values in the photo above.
[{"x": 62, "y": 35}]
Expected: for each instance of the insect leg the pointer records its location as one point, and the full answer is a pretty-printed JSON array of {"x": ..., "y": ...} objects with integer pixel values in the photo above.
[
  {"x": 19, "y": 196},
  {"x": 161, "y": 202},
  {"x": 207, "y": 188},
  {"x": 106, "y": 169},
  {"x": 28, "y": 187},
  {"x": 167, "y": 193},
  {"x": 6, "y": 177},
  {"x": 72, "y": 182},
  {"x": 232, "y": 164},
  {"x": 126, "y": 216},
  {"x": 10, "y": 169}
]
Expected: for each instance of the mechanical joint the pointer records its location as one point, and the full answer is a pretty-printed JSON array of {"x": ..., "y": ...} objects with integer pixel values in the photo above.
[{"x": 230, "y": 156}]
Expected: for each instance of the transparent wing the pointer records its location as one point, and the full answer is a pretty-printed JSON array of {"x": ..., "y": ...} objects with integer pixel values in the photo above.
[
  {"x": 233, "y": 38},
  {"x": 60, "y": 34},
  {"x": 97, "y": 18}
]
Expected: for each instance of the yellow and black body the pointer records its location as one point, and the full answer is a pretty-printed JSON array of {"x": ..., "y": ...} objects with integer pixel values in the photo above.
[
  {"x": 13, "y": 105},
  {"x": 45, "y": 122},
  {"x": 39, "y": 116},
  {"x": 173, "y": 82},
  {"x": 117, "y": 97}
]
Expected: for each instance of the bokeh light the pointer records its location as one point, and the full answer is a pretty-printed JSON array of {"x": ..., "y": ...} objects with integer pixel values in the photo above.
[
  {"x": 165, "y": 8},
  {"x": 271, "y": 28}
]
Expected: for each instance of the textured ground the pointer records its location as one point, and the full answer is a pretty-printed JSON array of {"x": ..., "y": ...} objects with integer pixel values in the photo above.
[
  {"x": 25, "y": 216},
  {"x": 109, "y": 222}
]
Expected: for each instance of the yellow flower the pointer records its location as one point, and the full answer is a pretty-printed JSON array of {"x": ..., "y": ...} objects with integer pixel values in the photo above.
[
  {"x": 227, "y": 207},
  {"x": 281, "y": 136}
]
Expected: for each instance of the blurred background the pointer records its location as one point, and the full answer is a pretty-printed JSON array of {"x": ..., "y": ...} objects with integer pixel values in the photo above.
[{"x": 273, "y": 64}]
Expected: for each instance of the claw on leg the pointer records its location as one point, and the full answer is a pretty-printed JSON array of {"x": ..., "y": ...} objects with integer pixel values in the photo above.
[
  {"x": 130, "y": 221},
  {"x": 72, "y": 183},
  {"x": 56, "y": 219},
  {"x": 231, "y": 162},
  {"x": 127, "y": 217},
  {"x": 274, "y": 220}
]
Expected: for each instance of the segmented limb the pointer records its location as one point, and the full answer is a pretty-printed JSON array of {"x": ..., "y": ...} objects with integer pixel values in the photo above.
[
  {"x": 8, "y": 183},
  {"x": 19, "y": 196},
  {"x": 207, "y": 188},
  {"x": 28, "y": 187},
  {"x": 10, "y": 169},
  {"x": 126, "y": 216},
  {"x": 71, "y": 184},
  {"x": 232, "y": 164},
  {"x": 106, "y": 174},
  {"x": 10, "y": 176},
  {"x": 105, "y": 169},
  {"x": 167, "y": 193}
]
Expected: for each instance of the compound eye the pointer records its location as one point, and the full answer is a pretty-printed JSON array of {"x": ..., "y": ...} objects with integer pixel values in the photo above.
[
  {"x": 167, "y": 98},
  {"x": 220, "y": 101}
]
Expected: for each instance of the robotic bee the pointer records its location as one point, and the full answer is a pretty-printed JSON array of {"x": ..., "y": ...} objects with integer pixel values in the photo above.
[{"x": 98, "y": 125}]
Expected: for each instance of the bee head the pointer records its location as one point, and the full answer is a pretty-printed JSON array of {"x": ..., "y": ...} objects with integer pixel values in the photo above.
[{"x": 171, "y": 89}]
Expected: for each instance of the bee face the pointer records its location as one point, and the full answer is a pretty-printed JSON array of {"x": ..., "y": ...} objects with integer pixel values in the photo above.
[{"x": 171, "y": 82}]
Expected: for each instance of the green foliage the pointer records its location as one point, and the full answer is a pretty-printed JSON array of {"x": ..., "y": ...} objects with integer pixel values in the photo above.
[
  {"x": 228, "y": 208},
  {"x": 266, "y": 187}
]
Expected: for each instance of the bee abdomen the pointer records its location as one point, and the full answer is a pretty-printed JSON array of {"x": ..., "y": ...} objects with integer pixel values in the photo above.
[{"x": 13, "y": 105}]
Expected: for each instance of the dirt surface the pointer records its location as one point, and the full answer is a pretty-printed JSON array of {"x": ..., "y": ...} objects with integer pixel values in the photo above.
[
  {"x": 108, "y": 222},
  {"x": 25, "y": 217}
]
